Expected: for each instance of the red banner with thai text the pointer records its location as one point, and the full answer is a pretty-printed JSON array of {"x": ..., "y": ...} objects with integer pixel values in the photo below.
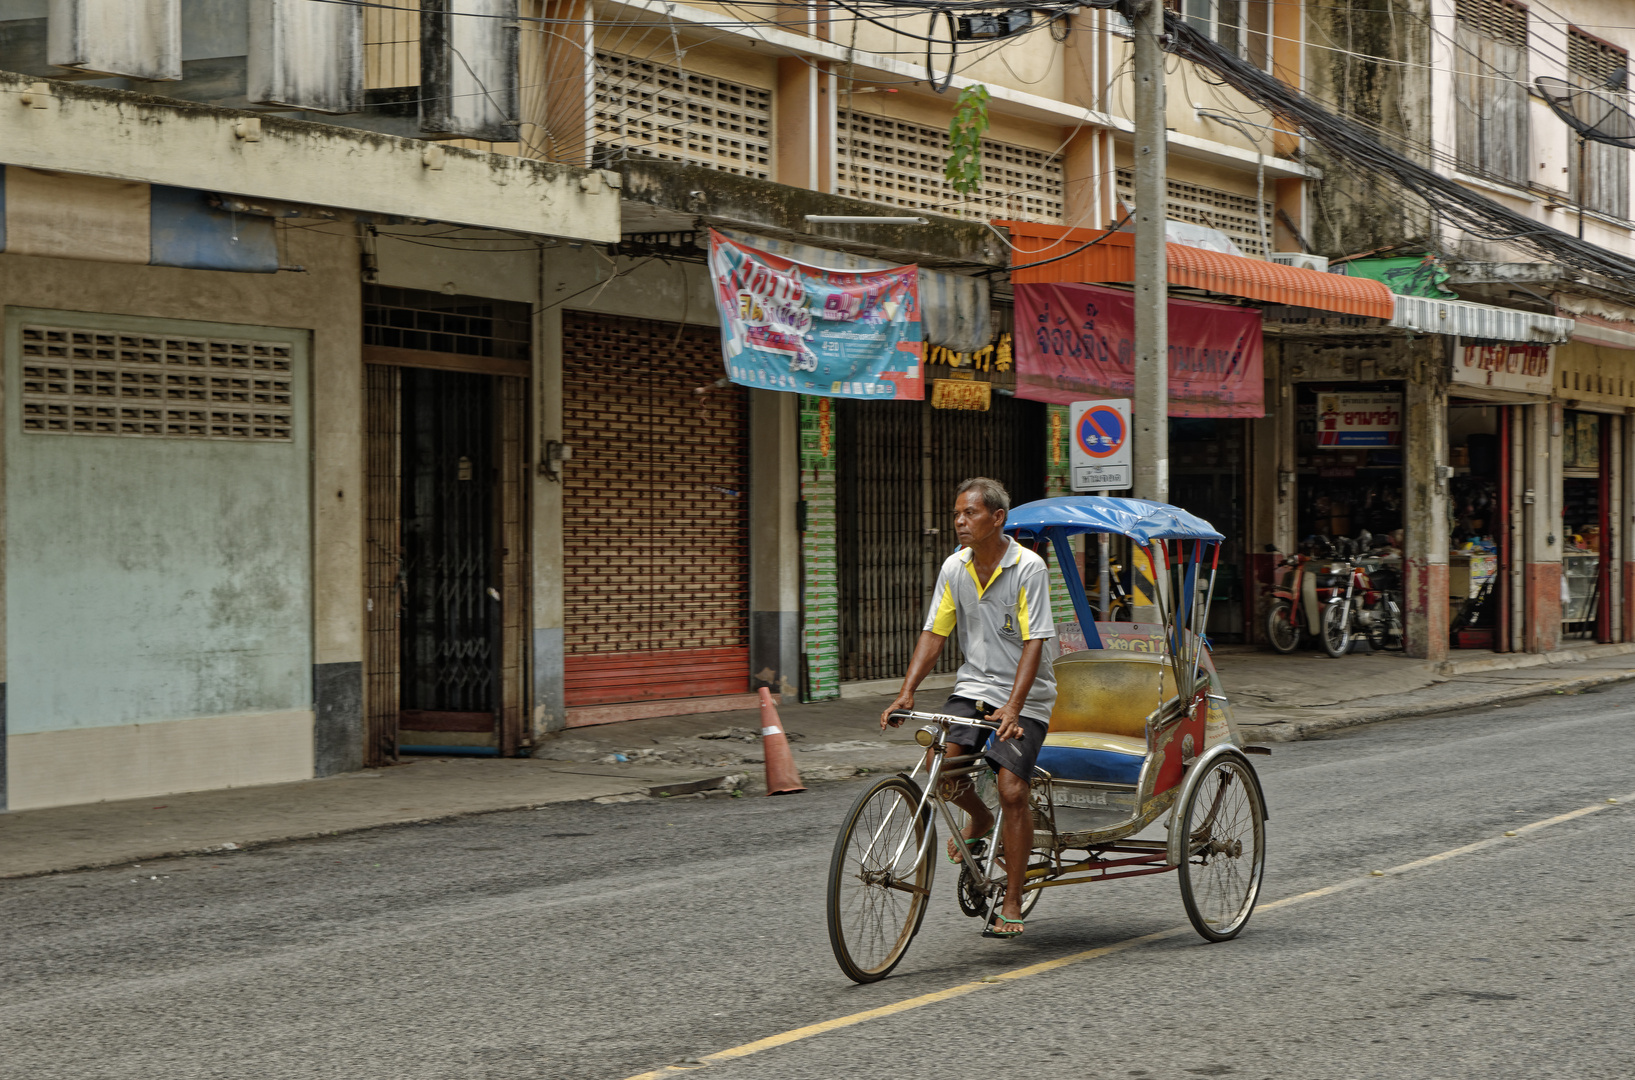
[{"x": 1077, "y": 342}]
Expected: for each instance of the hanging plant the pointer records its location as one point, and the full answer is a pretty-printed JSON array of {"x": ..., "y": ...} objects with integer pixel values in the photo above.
[{"x": 964, "y": 168}]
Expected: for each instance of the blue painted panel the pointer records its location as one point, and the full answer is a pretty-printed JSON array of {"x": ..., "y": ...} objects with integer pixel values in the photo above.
[
  {"x": 1080, "y": 763},
  {"x": 190, "y": 233}
]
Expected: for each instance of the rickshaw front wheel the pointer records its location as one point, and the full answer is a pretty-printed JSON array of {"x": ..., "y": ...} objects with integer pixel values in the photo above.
[
  {"x": 880, "y": 879},
  {"x": 1225, "y": 825}
]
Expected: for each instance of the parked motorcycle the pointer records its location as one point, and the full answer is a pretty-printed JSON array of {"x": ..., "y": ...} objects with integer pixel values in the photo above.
[
  {"x": 1329, "y": 591},
  {"x": 1300, "y": 585}
]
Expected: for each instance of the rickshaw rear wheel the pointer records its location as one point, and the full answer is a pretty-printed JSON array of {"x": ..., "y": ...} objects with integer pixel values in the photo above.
[
  {"x": 1224, "y": 821},
  {"x": 878, "y": 890}
]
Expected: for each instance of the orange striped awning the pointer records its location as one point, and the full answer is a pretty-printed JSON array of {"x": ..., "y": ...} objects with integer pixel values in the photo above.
[{"x": 1113, "y": 259}]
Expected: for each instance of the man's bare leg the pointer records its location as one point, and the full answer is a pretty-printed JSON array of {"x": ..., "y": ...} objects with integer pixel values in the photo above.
[
  {"x": 965, "y": 797},
  {"x": 1018, "y": 838}
]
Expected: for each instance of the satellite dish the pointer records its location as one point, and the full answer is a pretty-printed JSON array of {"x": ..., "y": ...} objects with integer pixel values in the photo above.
[{"x": 1594, "y": 114}]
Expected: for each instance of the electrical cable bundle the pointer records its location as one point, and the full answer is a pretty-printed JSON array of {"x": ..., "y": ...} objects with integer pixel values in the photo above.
[{"x": 1476, "y": 214}]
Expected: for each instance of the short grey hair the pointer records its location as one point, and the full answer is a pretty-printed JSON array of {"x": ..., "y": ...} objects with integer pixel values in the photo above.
[{"x": 994, "y": 495}]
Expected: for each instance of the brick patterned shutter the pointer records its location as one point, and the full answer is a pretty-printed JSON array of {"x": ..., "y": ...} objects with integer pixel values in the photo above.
[{"x": 656, "y": 521}]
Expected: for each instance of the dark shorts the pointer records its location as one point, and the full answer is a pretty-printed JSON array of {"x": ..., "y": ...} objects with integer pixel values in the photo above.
[{"x": 1013, "y": 755}]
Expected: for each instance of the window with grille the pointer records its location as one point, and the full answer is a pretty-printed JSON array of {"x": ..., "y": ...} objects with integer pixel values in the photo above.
[
  {"x": 1230, "y": 213},
  {"x": 898, "y": 163},
  {"x": 1490, "y": 89},
  {"x": 438, "y": 322},
  {"x": 1603, "y": 182},
  {"x": 1243, "y": 27},
  {"x": 648, "y": 109},
  {"x": 98, "y": 382}
]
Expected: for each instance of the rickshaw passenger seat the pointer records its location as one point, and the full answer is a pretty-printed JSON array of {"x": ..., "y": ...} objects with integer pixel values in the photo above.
[
  {"x": 1109, "y": 692},
  {"x": 1098, "y": 728},
  {"x": 1104, "y": 758}
]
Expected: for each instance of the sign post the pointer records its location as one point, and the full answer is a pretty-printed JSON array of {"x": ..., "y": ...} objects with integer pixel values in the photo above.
[{"x": 1099, "y": 450}]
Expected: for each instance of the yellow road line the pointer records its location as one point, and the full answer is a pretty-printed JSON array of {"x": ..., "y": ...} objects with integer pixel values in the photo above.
[{"x": 907, "y": 1004}]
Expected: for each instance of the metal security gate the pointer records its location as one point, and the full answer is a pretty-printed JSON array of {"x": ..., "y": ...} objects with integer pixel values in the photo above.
[
  {"x": 899, "y": 463},
  {"x": 383, "y": 559},
  {"x": 449, "y": 623},
  {"x": 656, "y": 516},
  {"x": 447, "y": 564}
]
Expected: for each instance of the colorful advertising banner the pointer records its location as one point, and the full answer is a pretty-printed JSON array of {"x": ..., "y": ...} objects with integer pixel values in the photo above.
[
  {"x": 1078, "y": 341},
  {"x": 836, "y": 333},
  {"x": 1347, "y": 421}
]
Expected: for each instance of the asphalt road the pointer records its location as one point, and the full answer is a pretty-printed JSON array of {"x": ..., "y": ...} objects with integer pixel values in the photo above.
[{"x": 598, "y": 942}]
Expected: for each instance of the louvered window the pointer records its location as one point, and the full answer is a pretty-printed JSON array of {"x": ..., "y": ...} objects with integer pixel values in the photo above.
[
  {"x": 1233, "y": 214},
  {"x": 1604, "y": 182},
  {"x": 898, "y": 163},
  {"x": 98, "y": 382},
  {"x": 648, "y": 109},
  {"x": 1491, "y": 132}
]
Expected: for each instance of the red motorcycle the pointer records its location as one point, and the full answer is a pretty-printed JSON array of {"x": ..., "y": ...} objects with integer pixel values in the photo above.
[
  {"x": 1294, "y": 613},
  {"x": 1331, "y": 596}
]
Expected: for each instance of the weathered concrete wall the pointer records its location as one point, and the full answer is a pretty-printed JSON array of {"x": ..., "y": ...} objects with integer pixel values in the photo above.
[
  {"x": 774, "y": 542},
  {"x": 164, "y": 142},
  {"x": 1353, "y": 210},
  {"x": 1425, "y": 501},
  {"x": 324, "y": 304},
  {"x": 1541, "y": 529}
]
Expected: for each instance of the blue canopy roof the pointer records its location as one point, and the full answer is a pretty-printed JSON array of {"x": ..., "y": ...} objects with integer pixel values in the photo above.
[{"x": 1139, "y": 519}]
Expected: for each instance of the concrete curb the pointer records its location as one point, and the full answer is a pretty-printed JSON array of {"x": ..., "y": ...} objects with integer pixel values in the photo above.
[
  {"x": 269, "y": 841},
  {"x": 647, "y": 790},
  {"x": 1295, "y": 730}
]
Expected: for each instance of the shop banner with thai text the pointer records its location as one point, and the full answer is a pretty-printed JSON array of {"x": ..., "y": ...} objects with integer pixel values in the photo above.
[
  {"x": 1346, "y": 421},
  {"x": 1075, "y": 342},
  {"x": 803, "y": 329}
]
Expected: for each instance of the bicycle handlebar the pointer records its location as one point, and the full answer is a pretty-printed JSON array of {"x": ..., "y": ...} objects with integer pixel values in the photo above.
[{"x": 941, "y": 718}]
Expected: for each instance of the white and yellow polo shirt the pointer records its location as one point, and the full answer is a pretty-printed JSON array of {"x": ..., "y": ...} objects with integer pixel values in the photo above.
[{"x": 995, "y": 619}]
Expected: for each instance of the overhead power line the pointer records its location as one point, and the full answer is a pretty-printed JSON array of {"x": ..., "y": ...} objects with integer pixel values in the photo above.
[{"x": 1476, "y": 214}]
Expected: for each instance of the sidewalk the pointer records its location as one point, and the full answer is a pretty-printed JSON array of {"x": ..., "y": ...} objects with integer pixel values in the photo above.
[{"x": 1275, "y": 699}]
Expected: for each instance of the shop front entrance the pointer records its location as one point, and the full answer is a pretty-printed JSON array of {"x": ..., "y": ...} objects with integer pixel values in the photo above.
[
  {"x": 1349, "y": 469},
  {"x": 1208, "y": 478},
  {"x": 1485, "y": 530},
  {"x": 899, "y": 465},
  {"x": 1586, "y": 526},
  {"x": 447, "y": 561}
]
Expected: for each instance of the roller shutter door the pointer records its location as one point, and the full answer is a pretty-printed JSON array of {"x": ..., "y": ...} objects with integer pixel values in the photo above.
[{"x": 656, "y": 522}]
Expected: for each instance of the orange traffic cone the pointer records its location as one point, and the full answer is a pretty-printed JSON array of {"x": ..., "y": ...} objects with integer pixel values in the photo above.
[{"x": 781, "y": 776}]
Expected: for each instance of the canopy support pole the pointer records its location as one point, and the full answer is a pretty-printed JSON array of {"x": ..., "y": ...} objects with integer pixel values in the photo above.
[{"x": 1075, "y": 586}]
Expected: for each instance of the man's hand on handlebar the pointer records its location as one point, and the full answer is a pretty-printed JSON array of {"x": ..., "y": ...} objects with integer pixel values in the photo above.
[
  {"x": 1009, "y": 720},
  {"x": 903, "y": 702}
]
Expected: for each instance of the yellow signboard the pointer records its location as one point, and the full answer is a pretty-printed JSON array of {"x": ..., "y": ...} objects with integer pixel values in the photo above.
[{"x": 961, "y": 394}]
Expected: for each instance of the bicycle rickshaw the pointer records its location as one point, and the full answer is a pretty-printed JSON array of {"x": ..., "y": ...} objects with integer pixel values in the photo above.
[{"x": 1141, "y": 731}]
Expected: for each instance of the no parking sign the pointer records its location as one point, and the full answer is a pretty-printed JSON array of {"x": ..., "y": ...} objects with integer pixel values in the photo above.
[{"x": 1100, "y": 444}]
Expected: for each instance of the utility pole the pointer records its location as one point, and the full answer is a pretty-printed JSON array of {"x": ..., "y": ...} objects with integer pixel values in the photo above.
[{"x": 1150, "y": 407}]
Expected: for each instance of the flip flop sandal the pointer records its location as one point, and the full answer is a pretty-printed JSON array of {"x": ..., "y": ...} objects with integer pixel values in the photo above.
[
  {"x": 974, "y": 843},
  {"x": 991, "y": 932}
]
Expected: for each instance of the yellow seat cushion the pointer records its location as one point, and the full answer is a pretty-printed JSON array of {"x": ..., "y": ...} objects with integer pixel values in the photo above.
[
  {"x": 1085, "y": 740},
  {"x": 1109, "y": 692}
]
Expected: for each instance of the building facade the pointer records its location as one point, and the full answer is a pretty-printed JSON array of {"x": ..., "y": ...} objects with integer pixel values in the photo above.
[{"x": 448, "y": 463}]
